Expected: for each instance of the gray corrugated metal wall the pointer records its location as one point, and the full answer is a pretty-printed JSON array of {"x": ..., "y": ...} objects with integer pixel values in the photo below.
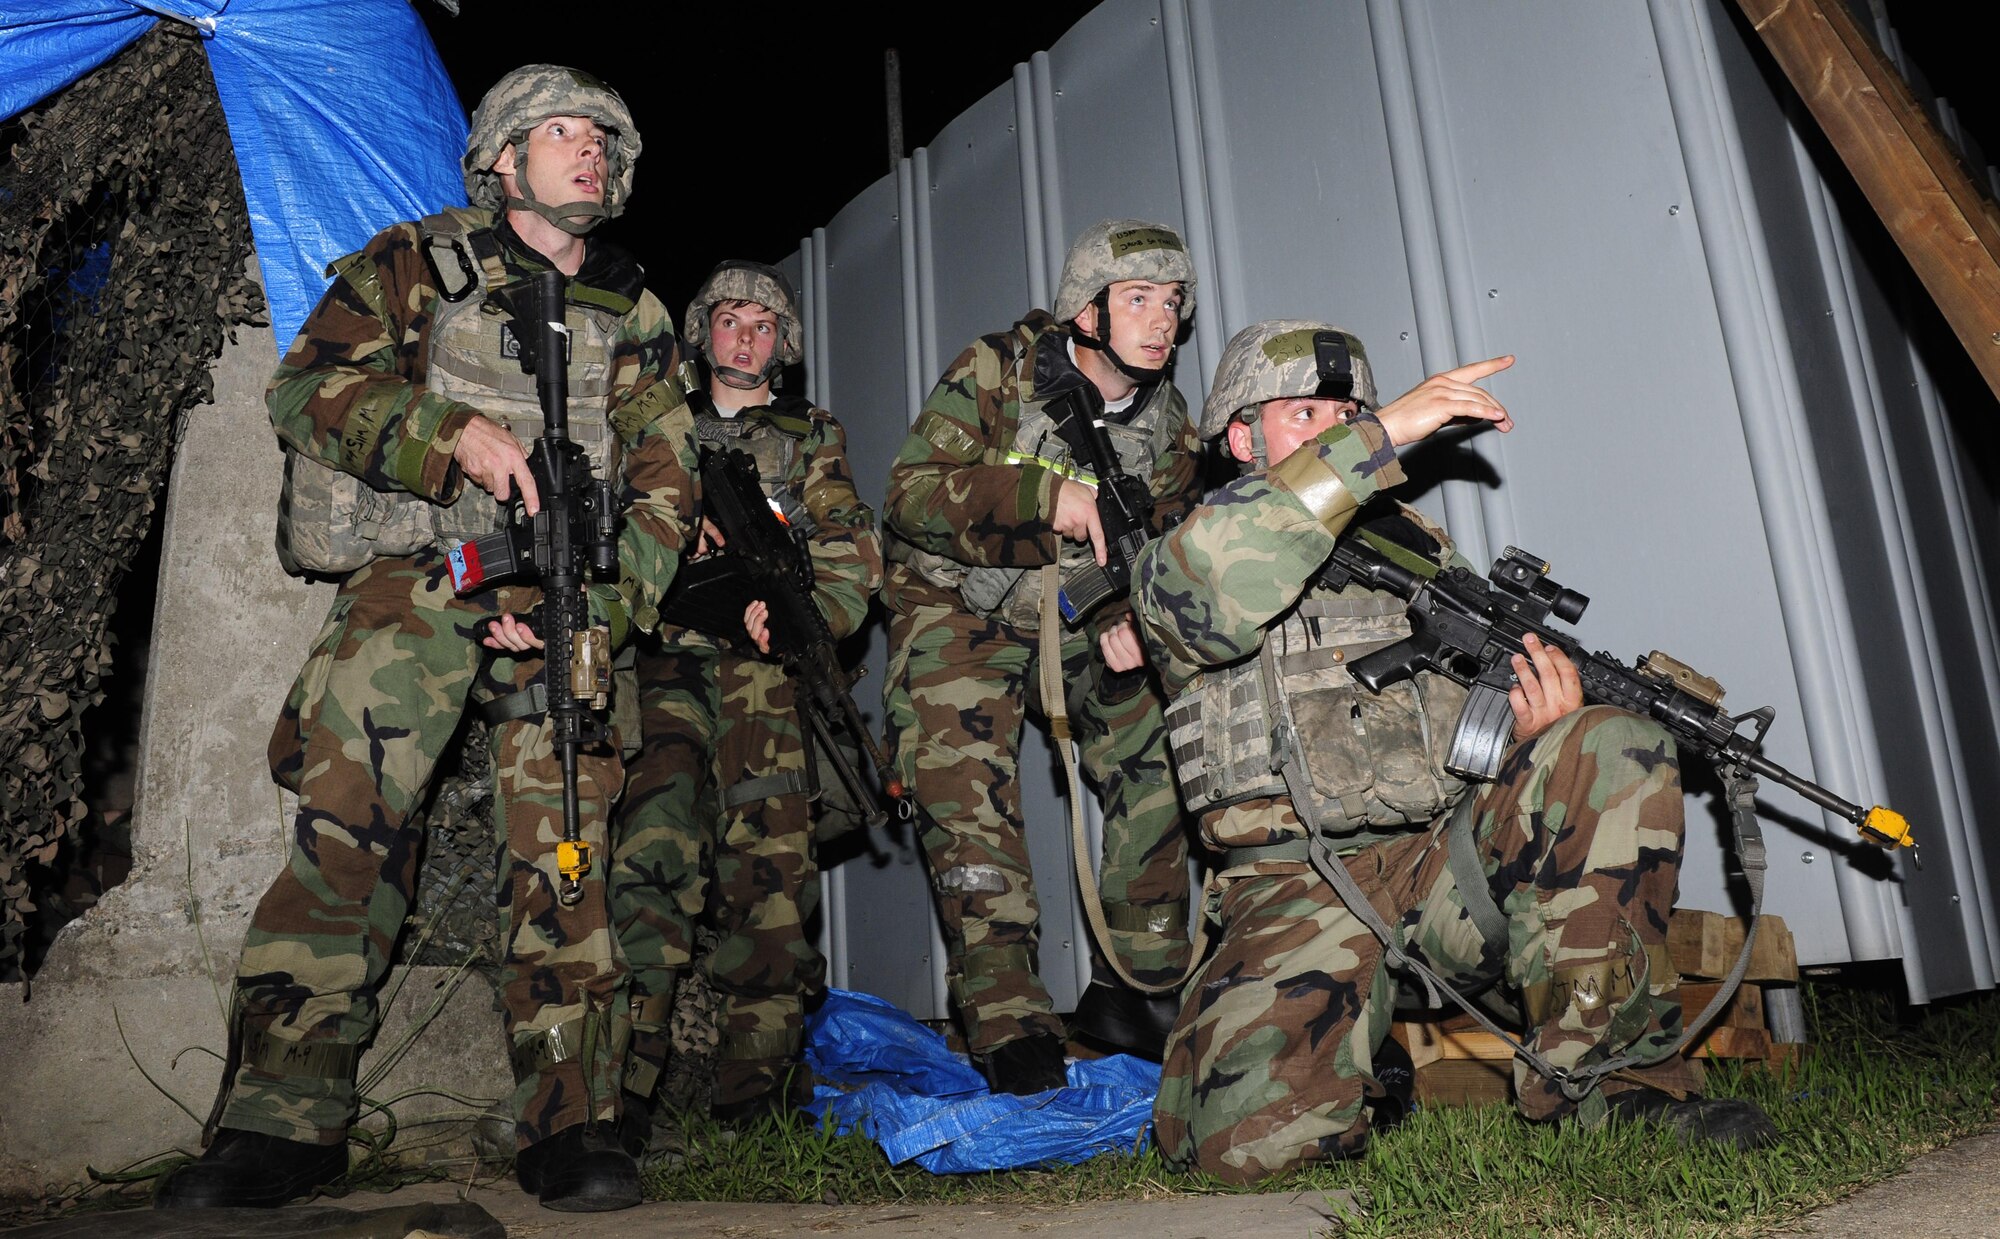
[{"x": 1728, "y": 433}]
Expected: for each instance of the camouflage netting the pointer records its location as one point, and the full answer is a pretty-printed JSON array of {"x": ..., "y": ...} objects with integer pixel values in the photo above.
[{"x": 123, "y": 240}]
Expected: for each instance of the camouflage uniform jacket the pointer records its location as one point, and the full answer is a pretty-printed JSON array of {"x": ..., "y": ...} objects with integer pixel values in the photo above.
[
  {"x": 1209, "y": 592},
  {"x": 846, "y": 551},
  {"x": 351, "y": 391},
  {"x": 951, "y": 492}
]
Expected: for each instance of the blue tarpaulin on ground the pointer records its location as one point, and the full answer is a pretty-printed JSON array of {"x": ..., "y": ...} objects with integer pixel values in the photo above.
[
  {"x": 342, "y": 117},
  {"x": 897, "y": 1082}
]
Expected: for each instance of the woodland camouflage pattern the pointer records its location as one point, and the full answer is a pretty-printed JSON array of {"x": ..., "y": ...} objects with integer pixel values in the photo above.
[
  {"x": 690, "y": 845},
  {"x": 958, "y": 688},
  {"x": 350, "y": 395},
  {"x": 361, "y": 732},
  {"x": 382, "y": 692},
  {"x": 1580, "y": 839}
]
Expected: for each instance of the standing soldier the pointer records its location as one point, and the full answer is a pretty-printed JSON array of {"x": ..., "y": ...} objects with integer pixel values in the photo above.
[
  {"x": 1556, "y": 879},
  {"x": 994, "y": 487},
  {"x": 403, "y": 386},
  {"x": 716, "y": 814}
]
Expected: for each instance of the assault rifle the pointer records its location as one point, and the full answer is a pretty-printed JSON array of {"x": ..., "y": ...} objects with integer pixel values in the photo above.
[
  {"x": 1124, "y": 509},
  {"x": 571, "y": 541},
  {"x": 763, "y": 559},
  {"x": 1468, "y": 628}
]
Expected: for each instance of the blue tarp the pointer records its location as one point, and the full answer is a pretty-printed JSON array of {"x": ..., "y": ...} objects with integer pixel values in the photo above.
[
  {"x": 341, "y": 114},
  {"x": 896, "y": 1082}
]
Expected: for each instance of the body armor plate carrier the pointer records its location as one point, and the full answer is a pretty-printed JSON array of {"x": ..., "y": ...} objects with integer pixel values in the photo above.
[{"x": 331, "y": 522}]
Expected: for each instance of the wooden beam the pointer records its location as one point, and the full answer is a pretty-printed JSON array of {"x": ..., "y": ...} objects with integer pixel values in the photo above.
[{"x": 1946, "y": 227}]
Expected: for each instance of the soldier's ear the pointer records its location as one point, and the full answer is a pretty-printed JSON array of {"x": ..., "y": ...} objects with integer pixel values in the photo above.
[
  {"x": 1239, "y": 441},
  {"x": 504, "y": 163},
  {"x": 1086, "y": 320}
]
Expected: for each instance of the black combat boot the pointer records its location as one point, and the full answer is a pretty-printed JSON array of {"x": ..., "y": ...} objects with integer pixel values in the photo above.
[
  {"x": 1030, "y": 1064},
  {"x": 250, "y": 1170},
  {"x": 580, "y": 1169},
  {"x": 1118, "y": 1017},
  {"x": 1719, "y": 1120},
  {"x": 788, "y": 1087},
  {"x": 635, "y": 1124}
]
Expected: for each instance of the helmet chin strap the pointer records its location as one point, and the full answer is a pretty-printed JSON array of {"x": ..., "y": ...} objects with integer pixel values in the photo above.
[
  {"x": 741, "y": 380},
  {"x": 1101, "y": 342},
  {"x": 1260, "y": 451},
  {"x": 575, "y": 218}
]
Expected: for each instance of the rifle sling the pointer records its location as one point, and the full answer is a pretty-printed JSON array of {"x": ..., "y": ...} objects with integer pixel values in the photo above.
[
  {"x": 1461, "y": 858},
  {"x": 1050, "y": 652},
  {"x": 530, "y": 702},
  {"x": 765, "y": 787}
]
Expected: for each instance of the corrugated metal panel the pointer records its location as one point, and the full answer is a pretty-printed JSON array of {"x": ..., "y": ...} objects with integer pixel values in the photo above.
[{"x": 1728, "y": 433}]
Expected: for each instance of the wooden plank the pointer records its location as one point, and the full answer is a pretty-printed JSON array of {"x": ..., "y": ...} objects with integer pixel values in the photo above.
[
  {"x": 1465, "y": 1082},
  {"x": 1729, "y": 1042},
  {"x": 1704, "y": 945},
  {"x": 1745, "y": 1008},
  {"x": 1946, "y": 227}
]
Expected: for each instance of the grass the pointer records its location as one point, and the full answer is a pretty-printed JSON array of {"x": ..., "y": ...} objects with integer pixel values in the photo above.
[{"x": 1881, "y": 1088}]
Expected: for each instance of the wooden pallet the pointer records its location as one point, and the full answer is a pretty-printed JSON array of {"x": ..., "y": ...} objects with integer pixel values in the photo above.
[{"x": 1459, "y": 1063}]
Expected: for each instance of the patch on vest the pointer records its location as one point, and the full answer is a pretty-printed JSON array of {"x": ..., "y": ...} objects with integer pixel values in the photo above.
[{"x": 510, "y": 344}]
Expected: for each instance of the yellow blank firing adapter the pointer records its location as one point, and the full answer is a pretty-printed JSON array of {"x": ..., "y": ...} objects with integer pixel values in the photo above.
[
  {"x": 573, "y": 859},
  {"x": 1886, "y": 827}
]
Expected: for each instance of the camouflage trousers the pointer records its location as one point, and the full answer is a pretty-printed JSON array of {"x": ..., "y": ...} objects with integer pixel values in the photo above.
[
  {"x": 717, "y": 825},
  {"x": 389, "y": 677},
  {"x": 1269, "y": 1064},
  {"x": 957, "y": 694}
]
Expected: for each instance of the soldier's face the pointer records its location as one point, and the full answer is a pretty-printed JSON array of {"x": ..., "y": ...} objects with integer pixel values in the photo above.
[
  {"x": 743, "y": 335},
  {"x": 1145, "y": 318},
  {"x": 565, "y": 161},
  {"x": 1288, "y": 423}
]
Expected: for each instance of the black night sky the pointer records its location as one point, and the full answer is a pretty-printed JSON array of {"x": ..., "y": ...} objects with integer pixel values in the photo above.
[{"x": 760, "y": 121}]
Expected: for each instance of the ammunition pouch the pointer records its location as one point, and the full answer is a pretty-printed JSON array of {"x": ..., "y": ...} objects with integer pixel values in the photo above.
[{"x": 1371, "y": 759}]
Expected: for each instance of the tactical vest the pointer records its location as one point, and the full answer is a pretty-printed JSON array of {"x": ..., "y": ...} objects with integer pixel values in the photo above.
[
  {"x": 1014, "y": 595},
  {"x": 771, "y": 435},
  {"x": 1372, "y": 759},
  {"x": 330, "y": 521}
]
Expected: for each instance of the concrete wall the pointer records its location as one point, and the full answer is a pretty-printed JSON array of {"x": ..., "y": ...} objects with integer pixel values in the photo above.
[{"x": 135, "y": 988}]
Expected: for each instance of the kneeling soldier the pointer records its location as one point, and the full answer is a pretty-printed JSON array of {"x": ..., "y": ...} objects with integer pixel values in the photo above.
[{"x": 1576, "y": 845}]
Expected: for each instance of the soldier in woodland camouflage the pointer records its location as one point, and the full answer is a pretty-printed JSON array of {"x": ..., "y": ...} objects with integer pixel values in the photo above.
[
  {"x": 400, "y": 390},
  {"x": 986, "y": 491},
  {"x": 716, "y": 820},
  {"x": 1575, "y": 846}
]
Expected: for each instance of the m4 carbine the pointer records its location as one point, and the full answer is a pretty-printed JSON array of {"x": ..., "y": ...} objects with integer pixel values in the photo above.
[
  {"x": 762, "y": 558},
  {"x": 571, "y": 541},
  {"x": 1469, "y": 627}
]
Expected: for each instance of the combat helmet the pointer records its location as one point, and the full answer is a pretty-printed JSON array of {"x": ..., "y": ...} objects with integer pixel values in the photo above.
[
  {"x": 738, "y": 279},
  {"x": 1284, "y": 358},
  {"x": 527, "y": 97},
  {"x": 1121, "y": 249}
]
